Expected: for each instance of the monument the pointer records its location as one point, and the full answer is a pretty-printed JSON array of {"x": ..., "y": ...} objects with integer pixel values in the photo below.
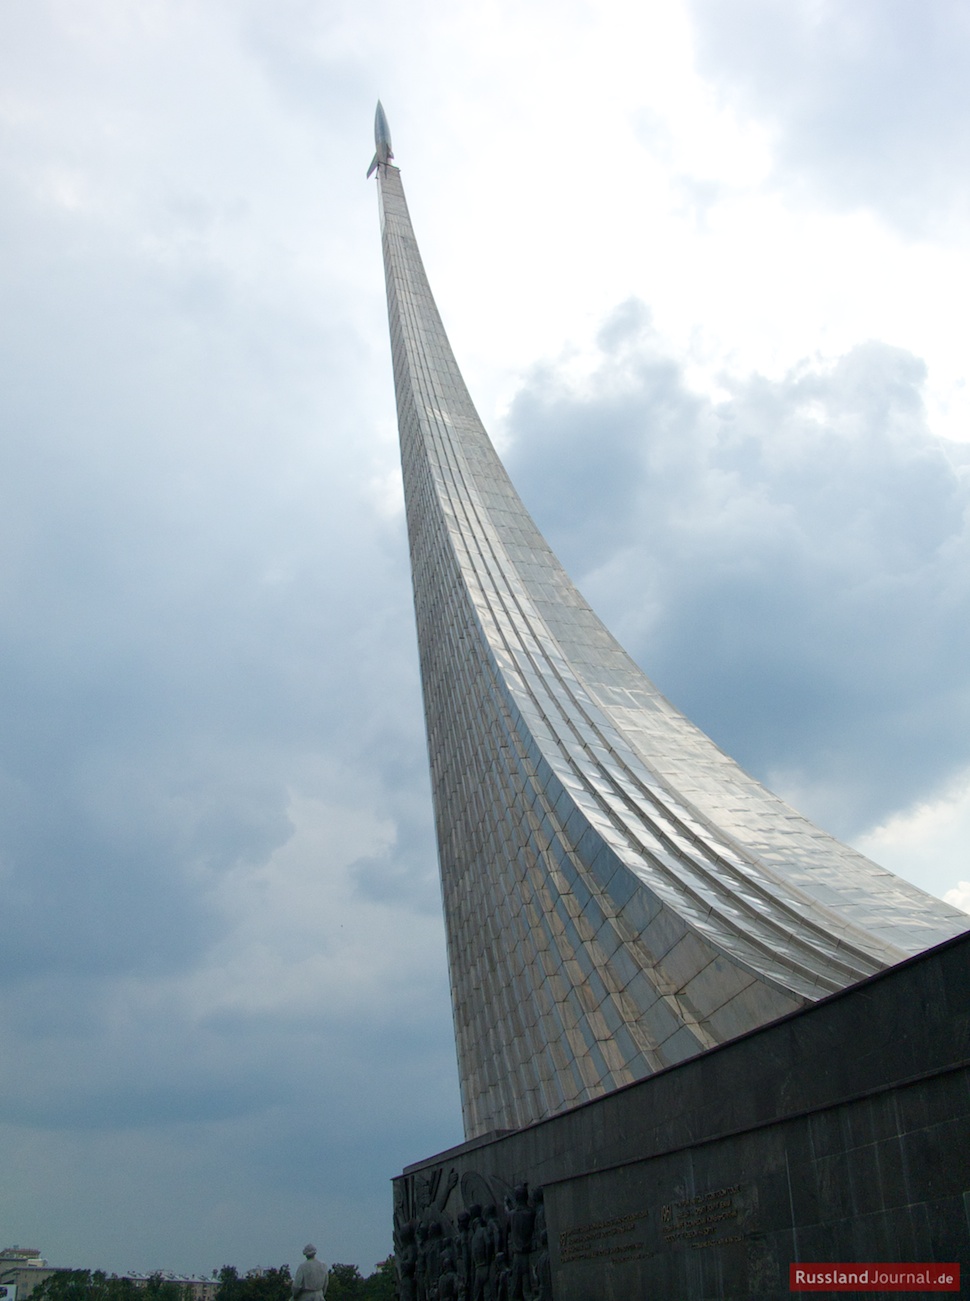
[
  {"x": 620, "y": 897},
  {"x": 311, "y": 1278}
]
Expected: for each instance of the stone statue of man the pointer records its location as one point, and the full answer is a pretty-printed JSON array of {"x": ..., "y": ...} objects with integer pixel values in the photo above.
[{"x": 311, "y": 1279}]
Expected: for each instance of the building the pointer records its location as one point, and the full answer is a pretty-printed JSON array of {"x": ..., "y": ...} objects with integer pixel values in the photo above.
[
  {"x": 193, "y": 1287},
  {"x": 619, "y": 895},
  {"x": 23, "y": 1270}
]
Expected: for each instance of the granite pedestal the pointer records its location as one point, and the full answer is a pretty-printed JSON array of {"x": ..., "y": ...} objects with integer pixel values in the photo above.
[{"x": 838, "y": 1133}]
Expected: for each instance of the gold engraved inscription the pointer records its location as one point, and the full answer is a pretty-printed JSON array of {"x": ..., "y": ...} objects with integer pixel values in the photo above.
[
  {"x": 617, "y": 1240},
  {"x": 707, "y": 1220}
]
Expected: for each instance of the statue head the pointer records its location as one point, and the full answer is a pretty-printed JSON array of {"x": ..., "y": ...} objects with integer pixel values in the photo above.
[{"x": 309, "y": 1251}]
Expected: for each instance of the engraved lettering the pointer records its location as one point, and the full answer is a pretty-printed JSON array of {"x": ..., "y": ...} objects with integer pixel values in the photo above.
[
  {"x": 592, "y": 1241},
  {"x": 705, "y": 1220}
]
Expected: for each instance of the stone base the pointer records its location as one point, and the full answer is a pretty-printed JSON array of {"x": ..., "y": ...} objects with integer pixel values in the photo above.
[{"x": 839, "y": 1133}]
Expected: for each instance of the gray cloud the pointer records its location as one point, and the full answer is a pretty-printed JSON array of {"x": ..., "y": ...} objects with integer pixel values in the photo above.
[
  {"x": 867, "y": 100},
  {"x": 790, "y": 565},
  {"x": 209, "y": 692}
]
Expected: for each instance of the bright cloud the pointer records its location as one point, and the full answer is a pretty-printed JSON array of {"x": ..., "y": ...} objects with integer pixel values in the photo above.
[{"x": 932, "y": 840}]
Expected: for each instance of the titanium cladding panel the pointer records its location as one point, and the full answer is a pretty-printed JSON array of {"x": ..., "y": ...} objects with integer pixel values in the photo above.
[{"x": 619, "y": 895}]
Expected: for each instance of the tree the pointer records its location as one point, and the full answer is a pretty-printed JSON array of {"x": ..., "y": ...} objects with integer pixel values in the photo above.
[
  {"x": 346, "y": 1284},
  {"x": 229, "y": 1284},
  {"x": 267, "y": 1285},
  {"x": 258, "y": 1285},
  {"x": 95, "y": 1285},
  {"x": 161, "y": 1289},
  {"x": 65, "y": 1285},
  {"x": 119, "y": 1289},
  {"x": 382, "y": 1284}
]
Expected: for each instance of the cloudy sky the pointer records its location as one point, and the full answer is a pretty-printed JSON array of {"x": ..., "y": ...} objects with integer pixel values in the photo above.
[{"x": 705, "y": 265}]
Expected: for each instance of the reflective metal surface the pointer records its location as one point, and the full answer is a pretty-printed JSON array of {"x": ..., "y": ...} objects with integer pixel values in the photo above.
[
  {"x": 382, "y": 140},
  {"x": 618, "y": 893}
]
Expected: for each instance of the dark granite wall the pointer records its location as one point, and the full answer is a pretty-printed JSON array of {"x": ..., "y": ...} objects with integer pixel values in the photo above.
[{"x": 841, "y": 1132}]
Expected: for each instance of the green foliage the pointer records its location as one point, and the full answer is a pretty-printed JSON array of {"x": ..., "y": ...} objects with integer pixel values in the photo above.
[
  {"x": 66, "y": 1285},
  {"x": 229, "y": 1284},
  {"x": 95, "y": 1285},
  {"x": 346, "y": 1284},
  {"x": 268, "y": 1285},
  {"x": 120, "y": 1289},
  {"x": 160, "y": 1289},
  {"x": 258, "y": 1285},
  {"x": 382, "y": 1283}
]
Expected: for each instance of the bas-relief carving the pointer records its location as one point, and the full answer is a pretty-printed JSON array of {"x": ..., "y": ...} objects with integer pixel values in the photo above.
[
  {"x": 488, "y": 1243},
  {"x": 475, "y": 1238}
]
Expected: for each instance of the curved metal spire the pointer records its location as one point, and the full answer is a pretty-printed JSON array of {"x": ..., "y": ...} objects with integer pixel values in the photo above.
[{"x": 618, "y": 893}]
